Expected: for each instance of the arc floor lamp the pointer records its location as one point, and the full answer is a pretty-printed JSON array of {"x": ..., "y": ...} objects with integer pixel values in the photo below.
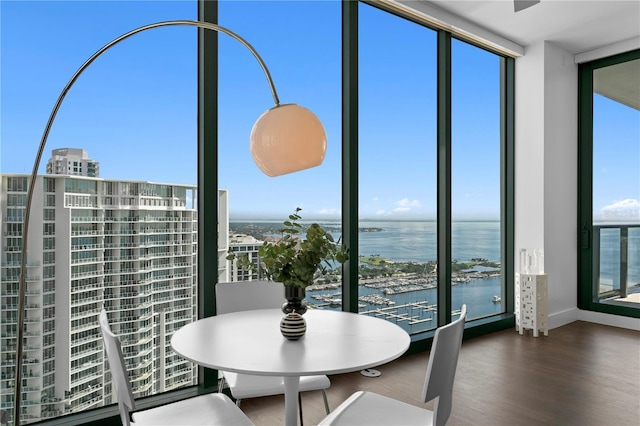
[{"x": 286, "y": 138}]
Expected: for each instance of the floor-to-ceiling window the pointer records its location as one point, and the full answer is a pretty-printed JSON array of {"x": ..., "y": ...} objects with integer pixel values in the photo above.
[
  {"x": 392, "y": 201},
  {"x": 397, "y": 169},
  {"x": 113, "y": 225},
  {"x": 609, "y": 176},
  {"x": 137, "y": 259},
  {"x": 476, "y": 239},
  {"x": 300, "y": 44},
  {"x": 431, "y": 144}
]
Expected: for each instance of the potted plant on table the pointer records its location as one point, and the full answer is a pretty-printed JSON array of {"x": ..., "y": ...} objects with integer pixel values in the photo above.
[{"x": 296, "y": 262}]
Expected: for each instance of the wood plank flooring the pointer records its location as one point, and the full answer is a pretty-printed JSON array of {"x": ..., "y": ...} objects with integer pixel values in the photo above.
[{"x": 581, "y": 374}]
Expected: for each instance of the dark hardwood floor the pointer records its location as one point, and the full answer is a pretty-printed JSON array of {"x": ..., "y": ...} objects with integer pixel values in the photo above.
[{"x": 581, "y": 374}]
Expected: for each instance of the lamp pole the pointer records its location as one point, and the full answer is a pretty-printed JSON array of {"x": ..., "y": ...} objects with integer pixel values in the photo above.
[{"x": 300, "y": 111}]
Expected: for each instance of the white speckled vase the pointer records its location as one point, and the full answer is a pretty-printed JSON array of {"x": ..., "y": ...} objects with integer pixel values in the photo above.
[{"x": 293, "y": 326}]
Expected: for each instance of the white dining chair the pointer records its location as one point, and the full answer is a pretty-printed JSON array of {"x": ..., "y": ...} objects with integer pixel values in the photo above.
[
  {"x": 259, "y": 294},
  {"x": 209, "y": 409},
  {"x": 370, "y": 409}
]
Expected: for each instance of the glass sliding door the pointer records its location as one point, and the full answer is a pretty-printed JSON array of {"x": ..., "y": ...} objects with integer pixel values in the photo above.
[
  {"x": 397, "y": 170},
  {"x": 610, "y": 204},
  {"x": 616, "y": 181}
]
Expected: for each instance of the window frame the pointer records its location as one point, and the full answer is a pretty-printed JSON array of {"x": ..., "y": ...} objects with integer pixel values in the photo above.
[
  {"x": 208, "y": 178},
  {"x": 586, "y": 290},
  {"x": 507, "y": 174},
  {"x": 207, "y": 181}
]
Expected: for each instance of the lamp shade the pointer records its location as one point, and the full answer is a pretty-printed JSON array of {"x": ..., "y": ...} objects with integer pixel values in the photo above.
[{"x": 287, "y": 138}]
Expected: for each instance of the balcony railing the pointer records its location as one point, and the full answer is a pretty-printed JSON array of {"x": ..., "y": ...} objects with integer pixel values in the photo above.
[{"x": 616, "y": 261}]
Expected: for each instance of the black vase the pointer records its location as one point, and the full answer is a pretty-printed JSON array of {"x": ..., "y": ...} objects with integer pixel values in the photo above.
[{"x": 295, "y": 300}]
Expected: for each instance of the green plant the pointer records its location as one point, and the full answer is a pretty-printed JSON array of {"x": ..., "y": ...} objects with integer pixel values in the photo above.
[{"x": 293, "y": 261}]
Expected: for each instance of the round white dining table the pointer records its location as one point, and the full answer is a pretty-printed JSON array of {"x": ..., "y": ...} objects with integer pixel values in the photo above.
[{"x": 250, "y": 342}]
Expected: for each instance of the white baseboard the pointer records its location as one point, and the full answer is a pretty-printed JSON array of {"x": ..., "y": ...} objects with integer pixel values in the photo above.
[
  {"x": 608, "y": 319},
  {"x": 565, "y": 317},
  {"x": 558, "y": 319}
]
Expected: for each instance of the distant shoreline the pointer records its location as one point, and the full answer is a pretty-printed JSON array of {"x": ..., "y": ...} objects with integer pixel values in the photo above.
[
  {"x": 399, "y": 241},
  {"x": 337, "y": 220}
]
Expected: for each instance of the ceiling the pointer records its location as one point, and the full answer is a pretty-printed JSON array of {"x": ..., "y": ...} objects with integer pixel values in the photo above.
[
  {"x": 575, "y": 25},
  {"x": 620, "y": 82}
]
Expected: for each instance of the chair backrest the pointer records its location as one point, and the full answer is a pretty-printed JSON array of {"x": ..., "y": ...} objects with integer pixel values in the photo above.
[
  {"x": 248, "y": 295},
  {"x": 441, "y": 370},
  {"x": 112, "y": 346}
]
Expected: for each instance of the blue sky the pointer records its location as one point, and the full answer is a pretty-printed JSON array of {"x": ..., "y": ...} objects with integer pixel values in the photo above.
[
  {"x": 616, "y": 161},
  {"x": 134, "y": 109},
  {"x": 122, "y": 108}
]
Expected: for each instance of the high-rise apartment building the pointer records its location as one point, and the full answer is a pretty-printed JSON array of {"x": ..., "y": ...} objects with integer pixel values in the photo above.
[
  {"x": 240, "y": 243},
  {"x": 244, "y": 245},
  {"x": 127, "y": 246},
  {"x": 72, "y": 161},
  {"x": 223, "y": 235}
]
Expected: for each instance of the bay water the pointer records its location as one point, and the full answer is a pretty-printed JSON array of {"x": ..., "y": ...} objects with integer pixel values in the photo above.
[{"x": 415, "y": 241}]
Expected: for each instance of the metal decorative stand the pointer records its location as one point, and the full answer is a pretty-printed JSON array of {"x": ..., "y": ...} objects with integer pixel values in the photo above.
[
  {"x": 531, "y": 288},
  {"x": 531, "y": 303}
]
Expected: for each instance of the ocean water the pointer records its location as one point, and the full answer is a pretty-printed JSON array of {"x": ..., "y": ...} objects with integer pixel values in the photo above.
[
  {"x": 610, "y": 255},
  {"x": 416, "y": 242}
]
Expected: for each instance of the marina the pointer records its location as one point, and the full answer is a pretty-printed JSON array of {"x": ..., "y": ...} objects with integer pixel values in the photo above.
[
  {"x": 397, "y": 273},
  {"x": 410, "y": 300},
  {"x": 413, "y": 312}
]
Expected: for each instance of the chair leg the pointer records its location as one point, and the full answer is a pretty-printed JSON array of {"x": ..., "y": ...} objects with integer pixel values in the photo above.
[
  {"x": 221, "y": 384},
  {"x": 326, "y": 402},
  {"x": 300, "y": 407},
  {"x": 238, "y": 402}
]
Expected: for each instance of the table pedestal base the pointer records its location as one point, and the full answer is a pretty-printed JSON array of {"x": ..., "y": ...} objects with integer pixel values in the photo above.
[{"x": 291, "y": 386}]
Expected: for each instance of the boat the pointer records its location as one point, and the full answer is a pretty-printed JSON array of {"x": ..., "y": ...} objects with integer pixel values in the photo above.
[
  {"x": 496, "y": 299},
  {"x": 335, "y": 301}
]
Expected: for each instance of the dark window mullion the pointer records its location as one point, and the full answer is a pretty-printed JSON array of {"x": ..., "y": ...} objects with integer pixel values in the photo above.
[
  {"x": 207, "y": 171},
  {"x": 507, "y": 173},
  {"x": 585, "y": 185},
  {"x": 350, "y": 153},
  {"x": 444, "y": 177}
]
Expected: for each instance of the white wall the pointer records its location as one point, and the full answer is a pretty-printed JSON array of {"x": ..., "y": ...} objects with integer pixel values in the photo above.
[
  {"x": 560, "y": 179},
  {"x": 529, "y": 150},
  {"x": 546, "y": 165},
  {"x": 546, "y": 176}
]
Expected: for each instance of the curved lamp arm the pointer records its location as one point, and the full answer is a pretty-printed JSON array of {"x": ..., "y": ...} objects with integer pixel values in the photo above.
[{"x": 285, "y": 139}]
